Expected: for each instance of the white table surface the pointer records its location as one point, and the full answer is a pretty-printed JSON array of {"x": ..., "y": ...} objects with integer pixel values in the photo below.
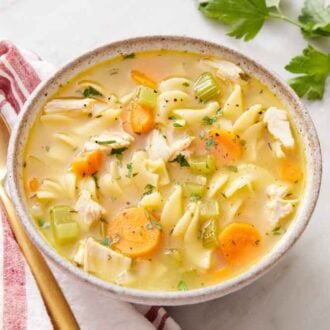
[{"x": 296, "y": 293}]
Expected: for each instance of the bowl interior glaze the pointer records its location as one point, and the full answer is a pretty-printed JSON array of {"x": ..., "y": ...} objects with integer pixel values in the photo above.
[{"x": 299, "y": 114}]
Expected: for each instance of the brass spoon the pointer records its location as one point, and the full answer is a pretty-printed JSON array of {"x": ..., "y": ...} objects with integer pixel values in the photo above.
[{"x": 57, "y": 306}]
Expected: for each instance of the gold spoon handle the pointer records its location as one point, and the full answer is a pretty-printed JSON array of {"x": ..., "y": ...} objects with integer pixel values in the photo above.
[{"x": 57, "y": 306}]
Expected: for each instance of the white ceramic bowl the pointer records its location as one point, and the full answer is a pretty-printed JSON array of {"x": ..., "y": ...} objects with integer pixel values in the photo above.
[{"x": 280, "y": 88}]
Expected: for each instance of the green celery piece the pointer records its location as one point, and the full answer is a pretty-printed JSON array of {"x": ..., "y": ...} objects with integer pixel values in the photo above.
[
  {"x": 175, "y": 257},
  {"x": 192, "y": 188},
  {"x": 66, "y": 232},
  {"x": 210, "y": 234},
  {"x": 203, "y": 165},
  {"x": 147, "y": 97},
  {"x": 64, "y": 228},
  {"x": 209, "y": 209},
  {"x": 206, "y": 87}
]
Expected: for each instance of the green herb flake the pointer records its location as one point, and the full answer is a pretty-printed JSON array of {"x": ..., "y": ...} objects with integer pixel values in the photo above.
[
  {"x": 185, "y": 84},
  {"x": 128, "y": 56},
  {"x": 107, "y": 241},
  {"x": 43, "y": 224},
  {"x": 195, "y": 197},
  {"x": 91, "y": 91},
  {"x": 181, "y": 159},
  {"x": 105, "y": 142},
  {"x": 210, "y": 142},
  {"x": 154, "y": 224},
  {"x": 182, "y": 286},
  {"x": 177, "y": 125},
  {"x": 276, "y": 230},
  {"x": 209, "y": 120},
  {"x": 232, "y": 168},
  {"x": 149, "y": 189}
]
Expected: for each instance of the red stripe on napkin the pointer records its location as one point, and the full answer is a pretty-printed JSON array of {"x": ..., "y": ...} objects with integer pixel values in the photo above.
[
  {"x": 14, "y": 296},
  {"x": 5, "y": 86}
]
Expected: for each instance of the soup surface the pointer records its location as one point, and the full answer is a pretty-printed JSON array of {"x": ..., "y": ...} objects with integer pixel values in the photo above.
[{"x": 163, "y": 170}]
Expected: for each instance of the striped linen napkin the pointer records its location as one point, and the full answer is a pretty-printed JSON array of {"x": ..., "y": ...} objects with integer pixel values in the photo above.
[{"x": 21, "y": 306}]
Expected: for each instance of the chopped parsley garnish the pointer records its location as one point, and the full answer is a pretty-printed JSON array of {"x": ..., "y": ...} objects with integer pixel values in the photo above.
[
  {"x": 177, "y": 125},
  {"x": 195, "y": 197},
  {"x": 209, "y": 120},
  {"x": 154, "y": 224},
  {"x": 185, "y": 84},
  {"x": 149, "y": 189},
  {"x": 182, "y": 286},
  {"x": 106, "y": 142},
  {"x": 91, "y": 91},
  {"x": 277, "y": 230},
  {"x": 210, "y": 142},
  {"x": 95, "y": 180},
  {"x": 181, "y": 159},
  {"x": 118, "y": 152},
  {"x": 128, "y": 56},
  {"x": 232, "y": 168},
  {"x": 109, "y": 241},
  {"x": 42, "y": 224}
]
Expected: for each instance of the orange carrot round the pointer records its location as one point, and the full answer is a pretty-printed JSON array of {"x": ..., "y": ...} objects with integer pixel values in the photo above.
[
  {"x": 88, "y": 165},
  {"x": 227, "y": 147},
  {"x": 141, "y": 78},
  {"x": 239, "y": 243},
  {"x": 141, "y": 118},
  {"x": 136, "y": 233},
  {"x": 289, "y": 171},
  {"x": 34, "y": 184}
]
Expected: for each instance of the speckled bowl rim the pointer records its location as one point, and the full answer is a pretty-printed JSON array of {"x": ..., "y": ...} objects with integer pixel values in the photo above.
[{"x": 299, "y": 114}]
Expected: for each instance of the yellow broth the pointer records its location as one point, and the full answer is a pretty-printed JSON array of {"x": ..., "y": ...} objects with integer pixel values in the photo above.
[{"x": 59, "y": 135}]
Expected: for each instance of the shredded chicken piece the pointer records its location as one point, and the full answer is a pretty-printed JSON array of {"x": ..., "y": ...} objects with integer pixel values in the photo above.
[
  {"x": 89, "y": 210},
  {"x": 278, "y": 125},
  {"x": 278, "y": 207}
]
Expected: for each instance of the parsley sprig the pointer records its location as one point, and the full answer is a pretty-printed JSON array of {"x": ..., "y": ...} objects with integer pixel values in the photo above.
[{"x": 247, "y": 17}]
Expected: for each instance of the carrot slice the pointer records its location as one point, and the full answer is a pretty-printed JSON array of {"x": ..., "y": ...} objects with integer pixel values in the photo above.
[
  {"x": 225, "y": 146},
  {"x": 34, "y": 184},
  {"x": 141, "y": 78},
  {"x": 88, "y": 165},
  {"x": 136, "y": 232},
  {"x": 239, "y": 243},
  {"x": 289, "y": 171},
  {"x": 141, "y": 118}
]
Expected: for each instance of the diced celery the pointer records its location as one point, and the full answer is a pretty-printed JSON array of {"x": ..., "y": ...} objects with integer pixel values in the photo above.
[
  {"x": 66, "y": 232},
  {"x": 210, "y": 234},
  {"x": 205, "y": 87},
  {"x": 194, "y": 189},
  {"x": 61, "y": 214},
  {"x": 64, "y": 228},
  {"x": 147, "y": 96},
  {"x": 175, "y": 256},
  {"x": 205, "y": 165},
  {"x": 209, "y": 209}
]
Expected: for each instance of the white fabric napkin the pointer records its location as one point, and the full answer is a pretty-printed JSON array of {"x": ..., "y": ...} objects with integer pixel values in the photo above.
[{"x": 21, "y": 306}]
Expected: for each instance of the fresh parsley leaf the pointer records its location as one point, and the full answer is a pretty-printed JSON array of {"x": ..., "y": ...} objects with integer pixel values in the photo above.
[
  {"x": 246, "y": 17},
  {"x": 182, "y": 286},
  {"x": 273, "y": 3},
  {"x": 91, "y": 91},
  {"x": 181, "y": 159},
  {"x": 177, "y": 125},
  {"x": 315, "y": 17},
  {"x": 185, "y": 84},
  {"x": 315, "y": 68}
]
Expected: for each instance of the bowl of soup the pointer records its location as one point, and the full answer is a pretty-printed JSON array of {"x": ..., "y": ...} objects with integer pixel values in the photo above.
[{"x": 164, "y": 170}]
